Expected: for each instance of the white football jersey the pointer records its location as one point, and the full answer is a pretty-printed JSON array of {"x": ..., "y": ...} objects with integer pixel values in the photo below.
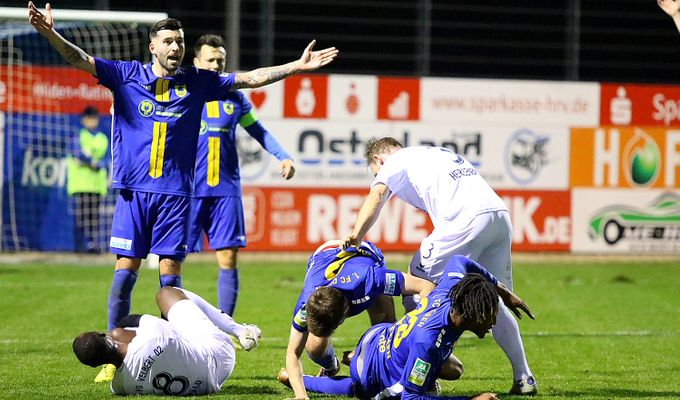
[
  {"x": 440, "y": 182},
  {"x": 159, "y": 362}
]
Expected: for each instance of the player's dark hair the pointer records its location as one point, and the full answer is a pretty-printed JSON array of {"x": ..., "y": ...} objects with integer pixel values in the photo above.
[
  {"x": 92, "y": 348},
  {"x": 474, "y": 298},
  {"x": 325, "y": 311},
  {"x": 208, "y": 40},
  {"x": 379, "y": 146},
  {"x": 168, "y": 23},
  {"x": 90, "y": 111}
]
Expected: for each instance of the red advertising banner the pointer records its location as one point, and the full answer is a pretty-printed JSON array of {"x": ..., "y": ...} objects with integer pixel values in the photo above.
[
  {"x": 641, "y": 105},
  {"x": 283, "y": 219},
  {"x": 306, "y": 96},
  {"x": 34, "y": 89},
  {"x": 399, "y": 98}
]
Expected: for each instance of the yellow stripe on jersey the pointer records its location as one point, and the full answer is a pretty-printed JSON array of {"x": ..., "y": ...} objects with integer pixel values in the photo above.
[
  {"x": 213, "y": 160},
  {"x": 162, "y": 90},
  {"x": 334, "y": 268},
  {"x": 157, "y": 149},
  {"x": 213, "y": 109}
]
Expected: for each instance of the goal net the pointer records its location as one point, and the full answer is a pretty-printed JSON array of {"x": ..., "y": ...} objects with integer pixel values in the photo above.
[{"x": 55, "y": 187}]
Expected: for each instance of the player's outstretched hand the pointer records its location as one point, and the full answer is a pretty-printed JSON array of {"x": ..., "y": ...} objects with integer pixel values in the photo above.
[
  {"x": 312, "y": 60},
  {"x": 287, "y": 169},
  {"x": 42, "y": 23},
  {"x": 670, "y": 7},
  {"x": 513, "y": 302}
]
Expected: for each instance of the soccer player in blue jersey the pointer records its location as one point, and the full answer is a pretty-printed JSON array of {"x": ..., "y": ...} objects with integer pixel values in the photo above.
[
  {"x": 405, "y": 358},
  {"x": 339, "y": 284},
  {"x": 154, "y": 139},
  {"x": 217, "y": 208}
]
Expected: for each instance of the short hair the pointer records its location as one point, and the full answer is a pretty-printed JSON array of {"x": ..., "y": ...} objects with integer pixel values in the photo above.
[
  {"x": 474, "y": 298},
  {"x": 379, "y": 146},
  {"x": 92, "y": 348},
  {"x": 208, "y": 40},
  {"x": 325, "y": 311},
  {"x": 90, "y": 111},
  {"x": 168, "y": 23}
]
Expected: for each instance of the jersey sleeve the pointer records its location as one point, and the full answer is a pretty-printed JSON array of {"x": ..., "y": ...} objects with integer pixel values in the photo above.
[
  {"x": 392, "y": 174},
  {"x": 421, "y": 369},
  {"x": 389, "y": 282},
  {"x": 215, "y": 86},
  {"x": 111, "y": 73},
  {"x": 458, "y": 265}
]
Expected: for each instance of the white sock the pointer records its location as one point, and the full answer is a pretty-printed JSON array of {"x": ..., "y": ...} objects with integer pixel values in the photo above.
[
  {"x": 506, "y": 333},
  {"x": 214, "y": 314}
]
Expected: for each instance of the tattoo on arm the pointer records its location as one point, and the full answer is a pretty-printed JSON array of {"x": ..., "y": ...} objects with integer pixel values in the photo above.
[{"x": 264, "y": 76}]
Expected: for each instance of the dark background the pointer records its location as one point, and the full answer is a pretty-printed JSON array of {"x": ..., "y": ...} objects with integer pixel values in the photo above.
[{"x": 589, "y": 40}]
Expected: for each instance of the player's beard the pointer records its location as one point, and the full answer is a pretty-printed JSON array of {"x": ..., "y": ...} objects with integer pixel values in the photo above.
[{"x": 169, "y": 64}]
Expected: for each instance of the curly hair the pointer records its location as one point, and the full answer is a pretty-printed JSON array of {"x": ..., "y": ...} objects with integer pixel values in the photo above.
[{"x": 475, "y": 298}]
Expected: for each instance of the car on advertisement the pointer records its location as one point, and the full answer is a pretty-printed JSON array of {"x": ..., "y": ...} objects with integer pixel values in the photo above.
[{"x": 659, "y": 221}]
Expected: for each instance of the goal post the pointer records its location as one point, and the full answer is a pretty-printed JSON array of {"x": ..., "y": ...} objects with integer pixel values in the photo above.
[{"x": 42, "y": 100}]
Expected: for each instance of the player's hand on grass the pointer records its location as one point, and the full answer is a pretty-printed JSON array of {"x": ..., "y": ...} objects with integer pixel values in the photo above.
[
  {"x": 670, "y": 7},
  {"x": 312, "y": 60},
  {"x": 43, "y": 23},
  {"x": 486, "y": 396},
  {"x": 513, "y": 302},
  {"x": 287, "y": 169}
]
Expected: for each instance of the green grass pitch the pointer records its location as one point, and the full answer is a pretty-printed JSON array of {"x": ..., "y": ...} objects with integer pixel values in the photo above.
[{"x": 604, "y": 329}]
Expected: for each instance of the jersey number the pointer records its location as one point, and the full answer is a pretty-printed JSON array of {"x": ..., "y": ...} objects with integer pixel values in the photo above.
[
  {"x": 170, "y": 385},
  {"x": 157, "y": 149},
  {"x": 408, "y": 321}
]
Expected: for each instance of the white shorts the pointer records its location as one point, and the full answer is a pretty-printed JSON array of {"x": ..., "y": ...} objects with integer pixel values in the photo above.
[
  {"x": 199, "y": 332},
  {"x": 487, "y": 240}
]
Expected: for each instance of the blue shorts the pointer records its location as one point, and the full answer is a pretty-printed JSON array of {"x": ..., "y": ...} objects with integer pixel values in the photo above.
[
  {"x": 146, "y": 223},
  {"x": 368, "y": 373},
  {"x": 221, "y": 218}
]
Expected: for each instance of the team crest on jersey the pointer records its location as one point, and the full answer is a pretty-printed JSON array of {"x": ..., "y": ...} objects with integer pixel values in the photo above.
[
  {"x": 204, "y": 127},
  {"x": 181, "y": 90},
  {"x": 228, "y": 107},
  {"x": 146, "y": 108},
  {"x": 419, "y": 372}
]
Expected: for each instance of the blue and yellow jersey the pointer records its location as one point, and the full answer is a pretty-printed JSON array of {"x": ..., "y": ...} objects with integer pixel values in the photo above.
[
  {"x": 217, "y": 163},
  {"x": 360, "y": 275},
  {"x": 408, "y": 355},
  {"x": 156, "y": 123}
]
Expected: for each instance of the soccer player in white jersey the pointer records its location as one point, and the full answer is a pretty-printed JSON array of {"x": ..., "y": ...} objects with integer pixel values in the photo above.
[
  {"x": 190, "y": 353},
  {"x": 469, "y": 219}
]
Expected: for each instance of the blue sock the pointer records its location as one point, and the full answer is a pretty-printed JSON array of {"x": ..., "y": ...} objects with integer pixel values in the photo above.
[
  {"x": 340, "y": 385},
  {"x": 171, "y": 280},
  {"x": 227, "y": 290},
  {"x": 120, "y": 295}
]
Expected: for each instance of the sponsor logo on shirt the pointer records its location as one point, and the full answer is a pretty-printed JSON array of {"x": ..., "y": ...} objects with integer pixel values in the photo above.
[
  {"x": 390, "y": 283},
  {"x": 120, "y": 243},
  {"x": 419, "y": 372}
]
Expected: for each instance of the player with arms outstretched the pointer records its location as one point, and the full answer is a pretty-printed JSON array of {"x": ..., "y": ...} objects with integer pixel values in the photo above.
[
  {"x": 405, "y": 358},
  {"x": 340, "y": 284},
  {"x": 154, "y": 138},
  {"x": 217, "y": 208}
]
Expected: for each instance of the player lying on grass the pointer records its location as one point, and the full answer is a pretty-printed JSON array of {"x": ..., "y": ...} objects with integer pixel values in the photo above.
[
  {"x": 340, "y": 284},
  {"x": 405, "y": 358},
  {"x": 190, "y": 353}
]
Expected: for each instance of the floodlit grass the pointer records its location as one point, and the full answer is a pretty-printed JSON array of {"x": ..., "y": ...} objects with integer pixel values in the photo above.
[{"x": 604, "y": 330}]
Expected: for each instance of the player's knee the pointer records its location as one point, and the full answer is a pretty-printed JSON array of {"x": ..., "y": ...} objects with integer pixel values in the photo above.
[
  {"x": 317, "y": 350},
  {"x": 452, "y": 369}
]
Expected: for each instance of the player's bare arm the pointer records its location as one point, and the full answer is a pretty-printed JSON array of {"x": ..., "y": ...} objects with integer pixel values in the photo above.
[
  {"x": 368, "y": 214},
  {"x": 309, "y": 61},
  {"x": 513, "y": 302},
  {"x": 415, "y": 285},
  {"x": 44, "y": 24},
  {"x": 672, "y": 8},
  {"x": 296, "y": 345}
]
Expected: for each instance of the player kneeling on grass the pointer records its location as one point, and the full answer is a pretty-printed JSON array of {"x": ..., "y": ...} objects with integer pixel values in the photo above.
[
  {"x": 190, "y": 353},
  {"x": 405, "y": 358},
  {"x": 340, "y": 284}
]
